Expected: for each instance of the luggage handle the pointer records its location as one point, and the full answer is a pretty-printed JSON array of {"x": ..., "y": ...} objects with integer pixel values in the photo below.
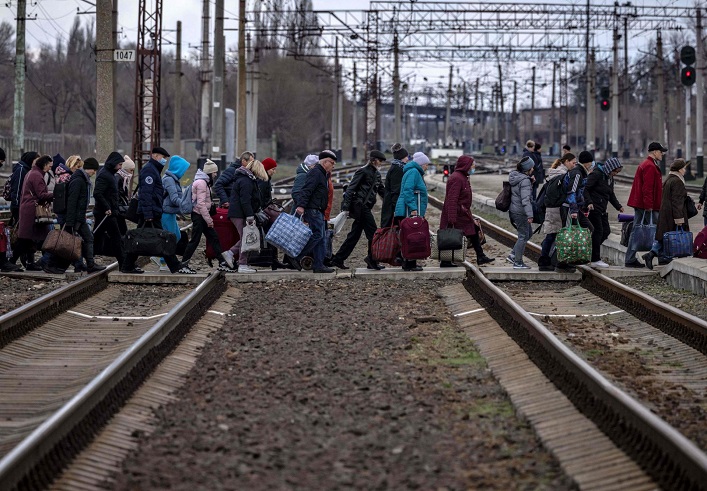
[
  {"x": 650, "y": 219},
  {"x": 99, "y": 225},
  {"x": 419, "y": 205}
]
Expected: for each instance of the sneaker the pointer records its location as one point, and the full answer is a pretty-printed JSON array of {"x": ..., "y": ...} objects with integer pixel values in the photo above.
[
  {"x": 53, "y": 270},
  {"x": 511, "y": 259},
  {"x": 599, "y": 264},
  {"x": 484, "y": 260},
  {"x": 244, "y": 268},
  {"x": 80, "y": 268},
  {"x": 325, "y": 270},
  {"x": 186, "y": 270},
  {"x": 521, "y": 266},
  {"x": 565, "y": 269},
  {"x": 228, "y": 257},
  {"x": 634, "y": 264},
  {"x": 225, "y": 268}
]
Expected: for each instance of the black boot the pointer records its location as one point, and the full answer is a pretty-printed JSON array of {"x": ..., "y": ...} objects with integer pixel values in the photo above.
[
  {"x": 545, "y": 264},
  {"x": 371, "y": 264},
  {"x": 648, "y": 259},
  {"x": 484, "y": 259}
]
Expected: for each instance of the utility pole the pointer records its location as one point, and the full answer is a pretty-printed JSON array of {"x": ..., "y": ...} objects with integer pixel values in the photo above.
[
  {"x": 217, "y": 143},
  {"x": 18, "y": 121},
  {"x": 626, "y": 92},
  {"x": 477, "y": 122},
  {"x": 661, "y": 98},
  {"x": 688, "y": 122},
  {"x": 494, "y": 103},
  {"x": 105, "y": 110},
  {"x": 615, "y": 98},
  {"x": 590, "y": 143},
  {"x": 532, "y": 106},
  {"x": 335, "y": 98},
  {"x": 339, "y": 111},
  {"x": 515, "y": 117},
  {"x": 242, "y": 108},
  {"x": 503, "y": 111},
  {"x": 552, "y": 107},
  {"x": 397, "y": 135},
  {"x": 178, "y": 93},
  {"x": 354, "y": 122},
  {"x": 448, "y": 118},
  {"x": 205, "y": 79},
  {"x": 255, "y": 87},
  {"x": 464, "y": 104},
  {"x": 699, "y": 116}
]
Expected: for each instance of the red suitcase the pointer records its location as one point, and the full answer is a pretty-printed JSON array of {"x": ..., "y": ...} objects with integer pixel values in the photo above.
[
  {"x": 415, "y": 238},
  {"x": 227, "y": 233}
]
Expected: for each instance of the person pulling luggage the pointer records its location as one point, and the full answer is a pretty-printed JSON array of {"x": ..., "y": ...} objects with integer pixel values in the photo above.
[{"x": 413, "y": 196}]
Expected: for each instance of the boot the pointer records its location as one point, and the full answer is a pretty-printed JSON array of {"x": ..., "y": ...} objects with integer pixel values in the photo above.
[
  {"x": 648, "y": 259},
  {"x": 484, "y": 259},
  {"x": 545, "y": 264}
]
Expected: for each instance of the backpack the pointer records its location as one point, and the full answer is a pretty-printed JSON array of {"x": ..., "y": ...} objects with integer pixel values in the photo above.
[
  {"x": 503, "y": 200},
  {"x": 7, "y": 191},
  {"x": 186, "y": 205},
  {"x": 61, "y": 197},
  {"x": 555, "y": 192}
]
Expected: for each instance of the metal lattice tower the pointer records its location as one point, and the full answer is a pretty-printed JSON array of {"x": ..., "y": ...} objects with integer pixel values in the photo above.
[{"x": 146, "y": 127}]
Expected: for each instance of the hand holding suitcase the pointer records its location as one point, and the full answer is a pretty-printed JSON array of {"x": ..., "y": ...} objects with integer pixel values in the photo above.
[{"x": 150, "y": 241}]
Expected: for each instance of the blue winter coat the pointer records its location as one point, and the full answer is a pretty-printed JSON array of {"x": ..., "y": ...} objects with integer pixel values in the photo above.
[
  {"x": 151, "y": 192},
  {"x": 315, "y": 190},
  {"x": 300, "y": 177},
  {"x": 172, "y": 187},
  {"x": 412, "y": 183},
  {"x": 224, "y": 183},
  {"x": 19, "y": 171}
]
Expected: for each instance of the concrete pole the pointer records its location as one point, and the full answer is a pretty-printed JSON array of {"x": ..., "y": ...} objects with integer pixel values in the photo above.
[
  {"x": 217, "y": 142},
  {"x": 625, "y": 85},
  {"x": 178, "y": 93},
  {"x": 18, "y": 122},
  {"x": 354, "y": 117},
  {"x": 335, "y": 98},
  {"x": 503, "y": 111},
  {"x": 615, "y": 98},
  {"x": 699, "y": 116},
  {"x": 339, "y": 114},
  {"x": 477, "y": 122},
  {"x": 532, "y": 106},
  {"x": 464, "y": 113},
  {"x": 552, "y": 107},
  {"x": 591, "y": 104},
  {"x": 448, "y": 118},
  {"x": 249, "y": 96},
  {"x": 255, "y": 85},
  {"x": 241, "y": 118},
  {"x": 105, "y": 111},
  {"x": 515, "y": 118},
  {"x": 688, "y": 121},
  {"x": 205, "y": 79},
  {"x": 116, "y": 45},
  {"x": 660, "y": 114},
  {"x": 397, "y": 136},
  {"x": 494, "y": 103}
]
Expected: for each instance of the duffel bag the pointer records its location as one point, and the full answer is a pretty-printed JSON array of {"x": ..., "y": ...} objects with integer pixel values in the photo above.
[
  {"x": 385, "y": 245},
  {"x": 150, "y": 241},
  {"x": 677, "y": 243},
  {"x": 574, "y": 245},
  {"x": 289, "y": 233},
  {"x": 63, "y": 244}
]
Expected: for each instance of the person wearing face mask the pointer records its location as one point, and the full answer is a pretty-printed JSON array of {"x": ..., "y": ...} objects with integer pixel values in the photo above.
[
  {"x": 393, "y": 178},
  {"x": 598, "y": 194},
  {"x": 673, "y": 210},
  {"x": 359, "y": 199},
  {"x": 645, "y": 197}
]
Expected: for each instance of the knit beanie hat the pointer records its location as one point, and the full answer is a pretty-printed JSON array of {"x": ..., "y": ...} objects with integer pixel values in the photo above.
[
  {"x": 399, "y": 153},
  {"x": 128, "y": 163},
  {"x": 90, "y": 163},
  {"x": 311, "y": 160},
  {"x": 612, "y": 164},
  {"x": 327, "y": 154},
  {"x": 421, "y": 158},
  {"x": 28, "y": 157},
  {"x": 58, "y": 160},
  {"x": 210, "y": 167},
  {"x": 526, "y": 163},
  {"x": 585, "y": 157},
  {"x": 269, "y": 163},
  {"x": 678, "y": 164}
]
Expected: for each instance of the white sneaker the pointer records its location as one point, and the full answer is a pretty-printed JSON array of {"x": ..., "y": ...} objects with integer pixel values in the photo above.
[
  {"x": 228, "y": 257},
  {"x": 599, "y": 264},
  {"x": 246, "y": 269}
]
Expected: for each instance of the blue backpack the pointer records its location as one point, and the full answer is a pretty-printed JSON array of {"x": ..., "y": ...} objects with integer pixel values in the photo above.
[{"x": 186, "y": 205}]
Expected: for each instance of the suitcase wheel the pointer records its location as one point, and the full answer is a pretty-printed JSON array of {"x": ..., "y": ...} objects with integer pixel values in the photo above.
[{"x": 307, "y": 263}]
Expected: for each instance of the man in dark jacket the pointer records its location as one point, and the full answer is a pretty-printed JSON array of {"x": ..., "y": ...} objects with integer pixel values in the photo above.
[
  {"x": 539, "y": 171},
  {"x": 359, "y": 199},
  {"x": 76, "y": 206},
  {"x": 150, "y": 197},
  {"x": 17, "y": 179},
  {"x": 106, "y": 232},
  {"x": 223, "y": 184},
  {"x": 392, "y": 184},
  {"x": 311, "y": 202},
  {"x": 598, "y": 193}
]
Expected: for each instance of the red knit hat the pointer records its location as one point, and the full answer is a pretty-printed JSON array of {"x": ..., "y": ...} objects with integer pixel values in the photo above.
[{"x": 269, "y": 163}]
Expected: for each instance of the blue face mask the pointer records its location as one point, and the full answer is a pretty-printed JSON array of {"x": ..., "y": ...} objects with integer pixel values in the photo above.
[{"x": 163, "y": 161}]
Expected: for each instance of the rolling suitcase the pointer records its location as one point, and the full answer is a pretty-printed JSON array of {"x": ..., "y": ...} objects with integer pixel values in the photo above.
[
  {"x": 415, "y": 237},
  {"x": 226, "y": 231}
]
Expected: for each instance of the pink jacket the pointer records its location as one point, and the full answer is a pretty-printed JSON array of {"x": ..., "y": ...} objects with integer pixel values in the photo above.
[{"x": 201, "y": 196}]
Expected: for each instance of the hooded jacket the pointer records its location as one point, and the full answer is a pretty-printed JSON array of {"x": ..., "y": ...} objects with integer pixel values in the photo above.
[
  {"x": 392, "y": 191},
  {"x": 172, "y": 187},
  {"x": 521, "y": 194},
  {"x": 201, "y": 196},
  {"x": 151, "y": 192},
  {"x": 245, "y": 195},
  {"x": 17, "y": 179},
  {"x": 77, "y": 199},
  {"x": 224, "y": 183},
  {"x": 106, "y": 191},
  {"x": 457, "y": 200},
  {"x": 412, "y": 185}
]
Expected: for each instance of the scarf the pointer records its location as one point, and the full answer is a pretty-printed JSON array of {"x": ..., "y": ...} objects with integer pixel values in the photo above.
[
  {"x": 398, "y": 163},
  {"x": 127, "y": 181},
  {"x": 247, "y": 172},
  {"x": 676, "y": 173}
]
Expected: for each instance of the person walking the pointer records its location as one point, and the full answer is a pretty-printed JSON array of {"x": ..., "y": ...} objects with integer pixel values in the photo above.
[
  {"x": 202, "y": 222},
  {"x": 224, "y": 183},
  {"x": 359, "y": 200},
  {"x": 598, "y": 193},
  {"x": 107, "y": 237},
  {"x": 172, "y": 199},
  {"x": 565, "y": 149},
  {"x": 413, "y": 196},
  {"x": 393, "y": 178},
  {"x": 456, "y": 212},
  {"x": 553, "y": 220},
  {"x": 311, "y": 202},
  {"x": 244, "y": 204},
  {"x": 673, "y": 210},
  {"x": 645, "y": 197},
  {"x": 701, "y": 202},
  {"x": 266, "y": 199},
  {"x": 17, "y": 179},
  {"x": 78, "y": 197},
  {"x": 124, "y": 182},
  {"x": 301, "y": 175},
  {"x": 539, "y": 170},
  {"x": 149, "y": 207},
  {"x": 521, "y": 211}
]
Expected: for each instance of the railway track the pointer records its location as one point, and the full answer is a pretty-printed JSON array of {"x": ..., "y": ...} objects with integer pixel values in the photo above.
[{"x": 661, "y": 423}]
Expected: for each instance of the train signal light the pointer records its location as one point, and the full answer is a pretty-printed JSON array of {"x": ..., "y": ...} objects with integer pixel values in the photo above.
[
  {"x": 687, "y": 55},
  {"x": 688, "y": 74},
  {"x": 445, "y": 173},
  {"x": 605, "y": 100}
]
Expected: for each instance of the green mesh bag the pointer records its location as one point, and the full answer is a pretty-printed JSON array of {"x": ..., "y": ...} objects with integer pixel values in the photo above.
[{"x": 574, "y": 245}]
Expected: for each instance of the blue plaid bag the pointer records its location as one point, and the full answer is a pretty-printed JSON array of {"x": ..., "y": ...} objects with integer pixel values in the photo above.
[
  {"x": 677, "y": 243},
  {"x": 289, "y": 233}
]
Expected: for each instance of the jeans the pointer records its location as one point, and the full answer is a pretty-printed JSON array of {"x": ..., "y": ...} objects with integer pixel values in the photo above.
[
  {"x": 638, "y": 216},
  {"x": 365, "y": 223},
  {"x": 199, "y": 227},
  {"x": 601, "y": 232},
  {"x": 315, "y": 245},
  {"x": 525, "y": 230}
]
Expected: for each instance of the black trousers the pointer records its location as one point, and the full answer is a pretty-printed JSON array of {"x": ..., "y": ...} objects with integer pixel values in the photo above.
[
  {"x": 172, "y": 261},
  {"x": 107, "y": 237},
  {"x": 365, "y": 223},
  {"x": 602, "y": 229},
  {"x": 199, "y": 227}
]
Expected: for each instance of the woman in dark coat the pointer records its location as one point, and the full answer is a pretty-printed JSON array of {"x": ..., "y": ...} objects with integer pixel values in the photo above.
[
  {"x": 31, "y": 235},
  {"x": 673, "y": 211},
  {"x": 598, "y": 193},
  {"x": 456, "y": 212}
]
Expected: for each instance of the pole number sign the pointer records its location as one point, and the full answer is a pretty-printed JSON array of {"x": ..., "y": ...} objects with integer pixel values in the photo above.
[{"x": 123, "y": 55}]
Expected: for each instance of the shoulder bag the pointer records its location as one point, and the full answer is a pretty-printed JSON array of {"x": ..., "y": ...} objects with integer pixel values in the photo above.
[{"x": 42, "y": 212}]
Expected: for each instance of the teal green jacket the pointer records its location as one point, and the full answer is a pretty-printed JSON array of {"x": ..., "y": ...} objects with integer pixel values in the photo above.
[{"x": 412, "y": 183}]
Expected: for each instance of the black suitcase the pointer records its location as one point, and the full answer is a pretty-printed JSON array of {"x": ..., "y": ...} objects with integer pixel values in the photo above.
[{"x": 150, "y": 241}]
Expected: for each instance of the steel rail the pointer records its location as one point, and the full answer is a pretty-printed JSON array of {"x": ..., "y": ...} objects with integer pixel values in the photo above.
[{"x": 38, "y": 458}]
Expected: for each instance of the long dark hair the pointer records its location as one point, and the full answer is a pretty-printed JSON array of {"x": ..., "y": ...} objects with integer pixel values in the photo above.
[{"x": 42, "y": 161}]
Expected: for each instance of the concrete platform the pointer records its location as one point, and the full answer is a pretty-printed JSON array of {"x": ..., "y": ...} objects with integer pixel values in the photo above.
[
  {"x": 264, "y": 275},
  {"x": 427, "y": 273},
  {"x": 157, "y": 278},
  {"x": 688, "y": 273},
  {"x": 621, "y": 272},
  {"x": 41, "y": 276},
  {"x": 510, "y": 274}
]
